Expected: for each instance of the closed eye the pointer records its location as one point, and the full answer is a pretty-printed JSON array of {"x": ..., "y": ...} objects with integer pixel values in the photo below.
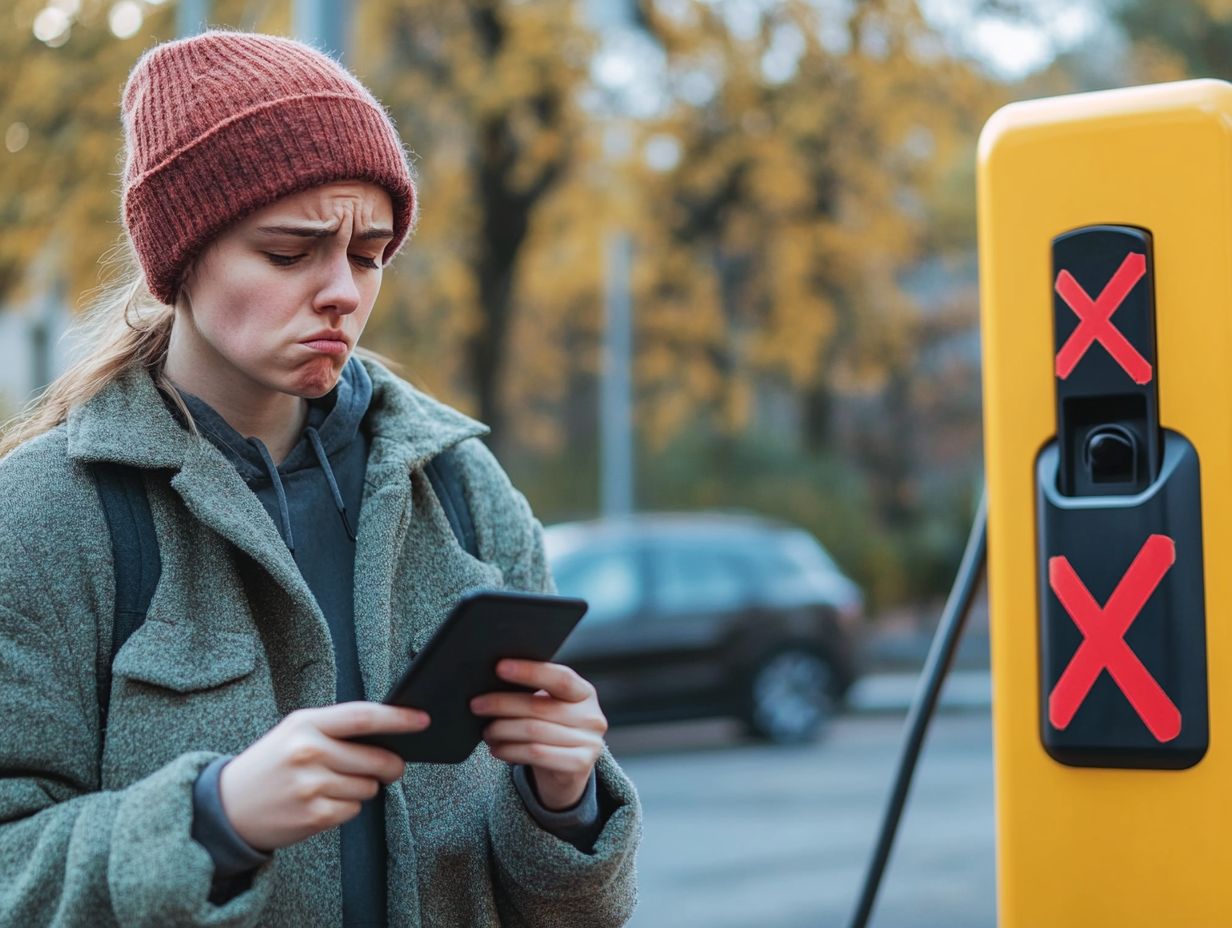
[{"x": 288, "y": 260}]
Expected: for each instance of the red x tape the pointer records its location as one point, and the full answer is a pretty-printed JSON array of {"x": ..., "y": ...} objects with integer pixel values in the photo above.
[
  {"x": 1095, "y": 320},
  {"x": 1103, "y": 646}
]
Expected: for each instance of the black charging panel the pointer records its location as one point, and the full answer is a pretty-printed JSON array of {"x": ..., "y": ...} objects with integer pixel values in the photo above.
[{"x": 1101, "y": 536}]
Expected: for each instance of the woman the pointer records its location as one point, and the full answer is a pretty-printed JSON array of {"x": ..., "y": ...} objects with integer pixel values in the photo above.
[{"x": 303, "y": 553}]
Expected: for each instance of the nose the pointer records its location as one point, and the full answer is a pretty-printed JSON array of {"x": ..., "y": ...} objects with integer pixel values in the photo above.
[{"x": 338, "y": 294}]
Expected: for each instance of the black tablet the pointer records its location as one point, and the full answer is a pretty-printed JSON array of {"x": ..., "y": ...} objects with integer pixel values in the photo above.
[{"x": 459, "y": 663}]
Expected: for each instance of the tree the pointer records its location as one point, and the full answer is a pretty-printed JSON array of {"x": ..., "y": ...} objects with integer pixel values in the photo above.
[
  {"x": 812, "y": 142},
  {"x": 1176, "y": 39},
  {"x": 486, "y": 92}
]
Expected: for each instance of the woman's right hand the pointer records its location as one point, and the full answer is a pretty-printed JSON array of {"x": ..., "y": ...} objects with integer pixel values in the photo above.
[{"x": 301, "y": 777}]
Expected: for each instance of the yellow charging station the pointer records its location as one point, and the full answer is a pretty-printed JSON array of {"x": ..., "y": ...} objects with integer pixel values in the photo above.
[{"x": 1106, "y": 289}]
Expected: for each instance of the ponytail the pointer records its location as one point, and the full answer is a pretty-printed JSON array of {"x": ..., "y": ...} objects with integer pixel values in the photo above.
[{"x": 124, "y": 327}]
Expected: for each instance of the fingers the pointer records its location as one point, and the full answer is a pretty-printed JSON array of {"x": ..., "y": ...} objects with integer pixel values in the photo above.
[
  {"x": 347, "y": 719},
  {"x": 560, "y": 681},
  {"x": 363, "y": 760},
  {"x": 309, "y": 749},
  {"x": 348, "y": 788},
  {"x": 303, "y": 776},
  {"x": 317, "y": 737},
  {"x": 576, "y": 761},
  {"x": 514, "y": 730},
  {"x": 528, "y": 705}
]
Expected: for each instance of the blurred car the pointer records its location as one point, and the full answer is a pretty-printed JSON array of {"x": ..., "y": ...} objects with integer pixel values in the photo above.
[{"x": 709, "y": 614}]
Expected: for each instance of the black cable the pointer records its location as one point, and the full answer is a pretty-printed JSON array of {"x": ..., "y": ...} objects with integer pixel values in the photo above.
[{"x": 940, "y": 655}]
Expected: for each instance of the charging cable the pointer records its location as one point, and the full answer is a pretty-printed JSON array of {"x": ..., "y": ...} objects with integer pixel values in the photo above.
[{"x": 940, "y": 656}]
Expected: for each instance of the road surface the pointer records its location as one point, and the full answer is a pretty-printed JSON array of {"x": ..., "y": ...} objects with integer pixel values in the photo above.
[{"x": 743, "y": 835}]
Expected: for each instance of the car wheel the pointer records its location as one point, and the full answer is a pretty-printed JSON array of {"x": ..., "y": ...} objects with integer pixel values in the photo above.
[{"x": 790, "y": 696}]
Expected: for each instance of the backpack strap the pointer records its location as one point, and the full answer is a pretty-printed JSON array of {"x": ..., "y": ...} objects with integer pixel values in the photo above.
[
  {"x": 443, "y": 473},
  {"x": 134, "y": 551}
]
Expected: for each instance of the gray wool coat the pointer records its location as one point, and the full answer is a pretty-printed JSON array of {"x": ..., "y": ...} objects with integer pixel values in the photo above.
[{"x": 99, "y": 834}]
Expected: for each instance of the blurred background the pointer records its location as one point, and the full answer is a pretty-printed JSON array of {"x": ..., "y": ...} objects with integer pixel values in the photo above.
[{"x": 714, "y": 258}]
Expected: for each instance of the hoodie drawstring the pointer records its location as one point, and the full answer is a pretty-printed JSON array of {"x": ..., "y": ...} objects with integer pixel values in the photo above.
[
  {"x": 314, "y": 438},
  {"x": 279, "y": 492}
]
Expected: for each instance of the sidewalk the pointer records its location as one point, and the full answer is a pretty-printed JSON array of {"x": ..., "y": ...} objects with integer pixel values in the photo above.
[
  {"x": 893, "y": 656},
  {"x": 964, "y": 690}
]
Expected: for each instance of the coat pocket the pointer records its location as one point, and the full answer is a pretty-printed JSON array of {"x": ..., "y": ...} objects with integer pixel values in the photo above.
[{"x": 173, "y": 657}]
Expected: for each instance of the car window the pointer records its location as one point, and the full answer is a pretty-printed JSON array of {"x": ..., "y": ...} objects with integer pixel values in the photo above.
[
  {"x": 697, "y": 579},
  {"x": 806, "y": 553},
  {"x": 609, "y": 582},
  {"x": 792, "y": 568},
  {"x": 768, "y": 563}
]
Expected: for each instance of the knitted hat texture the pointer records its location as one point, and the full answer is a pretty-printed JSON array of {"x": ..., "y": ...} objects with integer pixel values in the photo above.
[{"x": 221, "y": 124}]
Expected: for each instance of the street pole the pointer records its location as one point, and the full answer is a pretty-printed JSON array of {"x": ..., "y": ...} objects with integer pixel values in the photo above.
[
  {"x": 42, "y": 364},
  {"x": 611, "y": 19},
  {"x": 190, "y": 17},
  {"x": 324, "y": 24},
  {"x": 615, "y": 404}
]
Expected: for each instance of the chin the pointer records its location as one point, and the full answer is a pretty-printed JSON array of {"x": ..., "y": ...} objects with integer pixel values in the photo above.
[{"x": 317, "y": 380}]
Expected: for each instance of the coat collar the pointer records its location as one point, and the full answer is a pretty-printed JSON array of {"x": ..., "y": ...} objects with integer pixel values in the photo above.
[
  {"x": 127, "y": 422},
  {"x": 408, "y": 427}
]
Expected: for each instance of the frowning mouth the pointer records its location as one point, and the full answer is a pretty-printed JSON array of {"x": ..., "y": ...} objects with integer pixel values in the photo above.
[
  {"x": 328, "y": 342},
  {"x": 326, "y": 346}
]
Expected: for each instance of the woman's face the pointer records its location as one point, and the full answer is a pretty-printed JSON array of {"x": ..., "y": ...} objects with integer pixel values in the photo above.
[{"x": 278, "y": 301}]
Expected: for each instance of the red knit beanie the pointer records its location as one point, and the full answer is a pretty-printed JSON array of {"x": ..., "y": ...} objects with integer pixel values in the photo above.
[{"x": 221, "y": 124}]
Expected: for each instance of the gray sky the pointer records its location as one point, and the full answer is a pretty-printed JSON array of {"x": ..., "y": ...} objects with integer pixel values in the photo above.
[{"x": 1011, "y": 48}]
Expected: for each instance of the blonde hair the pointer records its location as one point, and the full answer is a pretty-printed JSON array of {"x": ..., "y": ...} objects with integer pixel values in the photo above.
[{"x": 124, "y": 327}]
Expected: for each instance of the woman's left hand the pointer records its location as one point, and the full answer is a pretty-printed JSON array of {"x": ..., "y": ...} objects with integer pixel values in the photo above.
[{"x": 557, "y": 731}]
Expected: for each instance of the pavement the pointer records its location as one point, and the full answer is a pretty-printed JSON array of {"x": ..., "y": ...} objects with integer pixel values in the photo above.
[
  {"x": 741, "y": 834},
  {"x": 969, "y": 690},
  {"x": 893, "y": 654}
]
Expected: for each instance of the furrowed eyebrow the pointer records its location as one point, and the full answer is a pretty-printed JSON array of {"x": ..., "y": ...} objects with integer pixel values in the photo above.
[
  {"x": 302, "y": 231},
  {"x": 318, "y": 232}
]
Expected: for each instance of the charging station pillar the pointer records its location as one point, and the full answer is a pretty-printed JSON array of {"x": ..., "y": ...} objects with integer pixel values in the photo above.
[{"x": 1105, "y": 236}]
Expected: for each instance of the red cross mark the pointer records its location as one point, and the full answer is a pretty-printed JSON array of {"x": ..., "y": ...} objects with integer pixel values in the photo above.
[
  {"x": 1103, "y": 646},
  {"x": 1095, "y": 320}
]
